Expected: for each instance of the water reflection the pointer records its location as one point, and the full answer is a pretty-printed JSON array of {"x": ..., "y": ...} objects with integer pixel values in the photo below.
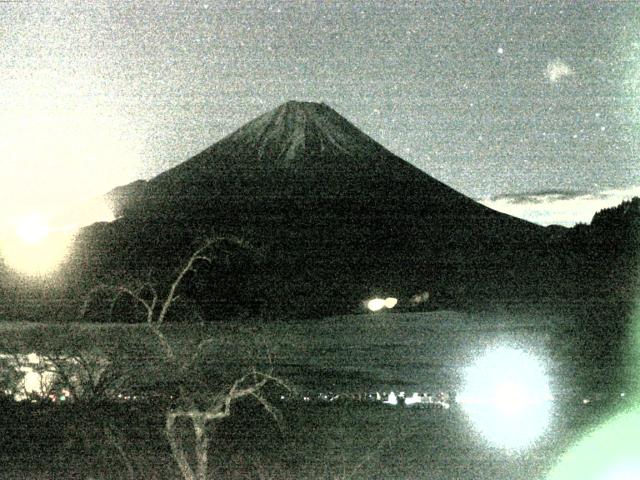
[
  {"x": 27, "y": 376},
  {"x": 51, "y": 377}
]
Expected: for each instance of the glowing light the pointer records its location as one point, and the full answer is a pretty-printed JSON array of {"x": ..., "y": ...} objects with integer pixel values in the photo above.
[
  {"x": 557, "y": 70},
  {"x": 375, "y": 304},
  {"x": 32, "y": 247},
  {"x": 506, "y": 396},
  {"x": 35, "y": 245},
  {"x": 35, "y": 381},
  {"x": 32, "y": 229},
  {"x": 392, "y": 399},
  {"x": 419, "y": 298},
  {"x": 390, "y": 302}
]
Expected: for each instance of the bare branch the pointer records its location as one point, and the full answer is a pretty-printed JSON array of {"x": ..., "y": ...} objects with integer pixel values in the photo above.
[
  {"x": 117, "y": 291},
  {"x": 197, "y": 255},
  {"x": 118, "y": 446},
  {"x": 273, "y": 411},
  {"x": 199, "y": 349},
  {"x": 171, "y": 296}
]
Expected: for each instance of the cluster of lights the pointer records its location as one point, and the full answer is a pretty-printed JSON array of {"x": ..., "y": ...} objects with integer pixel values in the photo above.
[{"x": 377, "y": 304}]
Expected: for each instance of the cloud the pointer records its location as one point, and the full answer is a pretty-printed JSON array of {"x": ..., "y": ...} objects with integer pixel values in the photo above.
[
  {"x": 538, "y": 197},
  {"x": 557, "y": 70},
  {"x": 559, "y": 207}
]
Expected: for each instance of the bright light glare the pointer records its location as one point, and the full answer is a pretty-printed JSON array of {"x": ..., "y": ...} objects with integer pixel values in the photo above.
[
  {"x": 506, "y": 395},
  {"x": 375, "y": 304},
  {"x": 390, "y": 302},
  {"x": 29, "y": 245},
  {"x": 35, "y": 245},
  {"x": 624, "y": 471},
  {"x": 32, "y": 229},
  {"x": 63, "y": 153}
]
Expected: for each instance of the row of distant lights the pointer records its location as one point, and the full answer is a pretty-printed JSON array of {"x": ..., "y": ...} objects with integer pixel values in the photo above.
[{"x": 377, "y": 304}]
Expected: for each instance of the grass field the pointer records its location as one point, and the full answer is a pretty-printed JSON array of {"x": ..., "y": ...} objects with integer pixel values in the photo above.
[{"x": 360, "y": 351}]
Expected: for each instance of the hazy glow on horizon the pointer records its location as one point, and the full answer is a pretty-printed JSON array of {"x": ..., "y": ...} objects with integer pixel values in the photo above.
[
  {"x": 559, "y": 209},
  {"x": 61, "y": 155}
]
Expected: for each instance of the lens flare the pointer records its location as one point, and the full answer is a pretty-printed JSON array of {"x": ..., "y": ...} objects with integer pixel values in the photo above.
[
  {"x": 610, "y": 452},
  {"x": 507, "y": 397}
]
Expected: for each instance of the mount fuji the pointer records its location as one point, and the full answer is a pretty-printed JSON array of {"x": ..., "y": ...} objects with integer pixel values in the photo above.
[{"x": 335, "y": 216}]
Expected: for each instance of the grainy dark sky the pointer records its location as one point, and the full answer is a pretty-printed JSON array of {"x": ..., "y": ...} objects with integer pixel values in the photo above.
[{"x": 500, "y": 100}]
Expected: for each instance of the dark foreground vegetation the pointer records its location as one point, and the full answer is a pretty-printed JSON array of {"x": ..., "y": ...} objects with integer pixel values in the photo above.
[
  {"x": 109, "y": 437},
  {"x": 126, "y": 441}
]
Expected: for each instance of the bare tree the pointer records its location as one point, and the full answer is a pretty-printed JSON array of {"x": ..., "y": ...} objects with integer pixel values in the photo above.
[
  {"x": 218, "y": 409},
  {"x": 214, "y": 408},
  {"x": 146, "y": 295}
]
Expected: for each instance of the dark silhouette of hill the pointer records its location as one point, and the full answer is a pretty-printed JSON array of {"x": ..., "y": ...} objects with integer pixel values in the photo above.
[
  {"x": 335, "y": 217},
  {"x": 602, "y": 263},
  {"x": 608, "y": 249},
  {"x": 120, "y": 197}
]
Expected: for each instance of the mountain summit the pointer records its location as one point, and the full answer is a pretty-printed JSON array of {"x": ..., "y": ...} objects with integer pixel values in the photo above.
[
  {"x": 297, "y": 142},
  {"x": 300, "y": 129},
  {"x": 304, "y": 150},
  {"x": 336, "y": 216}
]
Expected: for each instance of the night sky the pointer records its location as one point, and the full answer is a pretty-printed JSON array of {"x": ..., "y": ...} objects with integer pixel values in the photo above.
[{"x": 532, "y": 108}]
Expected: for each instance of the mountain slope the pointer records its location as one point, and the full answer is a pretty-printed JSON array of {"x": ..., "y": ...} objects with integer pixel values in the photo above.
[
  {"x": 306, "y": 142},
  {"x": 335, "y": 215}
]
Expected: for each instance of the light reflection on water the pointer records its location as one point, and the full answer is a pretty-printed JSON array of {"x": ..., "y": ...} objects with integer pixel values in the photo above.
[{"x": 34, "y": 376}]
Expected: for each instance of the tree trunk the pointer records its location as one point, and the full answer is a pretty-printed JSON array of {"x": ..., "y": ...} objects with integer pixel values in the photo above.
[
  {"x": 176, "y": 448},
  {"x": 202, "y": 446}
]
